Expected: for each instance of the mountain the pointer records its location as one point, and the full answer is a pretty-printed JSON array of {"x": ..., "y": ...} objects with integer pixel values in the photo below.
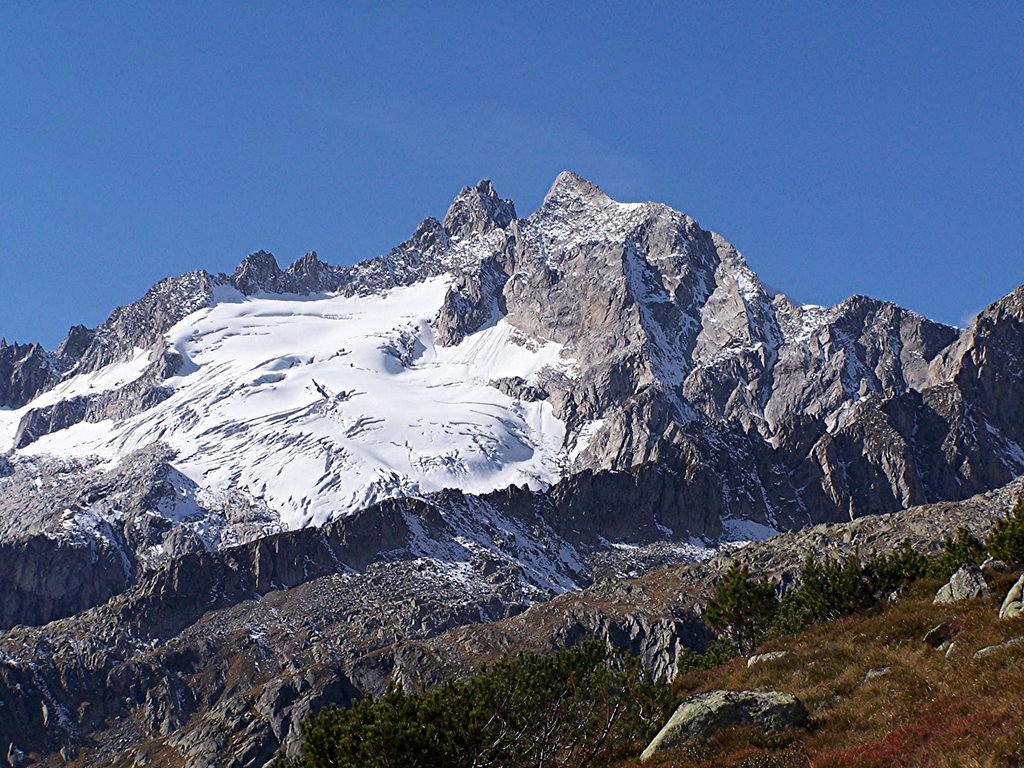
[
  {"x": 497, "y": 411},
  {"x": 490, "y": 350}
]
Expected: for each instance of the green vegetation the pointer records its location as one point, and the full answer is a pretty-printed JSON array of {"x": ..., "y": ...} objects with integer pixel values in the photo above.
[
  {"x": 741, "y": 608},
  {"x": 562, "y": 709},
  {"x": 957, "y": 552},
  {"x": 879, "y": 697},
  {"x": 1006, "y": 540}
]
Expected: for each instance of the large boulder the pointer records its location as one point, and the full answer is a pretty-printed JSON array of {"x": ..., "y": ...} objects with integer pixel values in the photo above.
[
  {"x": 1013, "y": 603},
  {"x": 702, "y": 716},
  {"x": 967, "y": 583}
]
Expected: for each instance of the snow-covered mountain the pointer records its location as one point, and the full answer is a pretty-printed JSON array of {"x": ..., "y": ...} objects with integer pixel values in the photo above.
[{"x": 489, "y": 350}]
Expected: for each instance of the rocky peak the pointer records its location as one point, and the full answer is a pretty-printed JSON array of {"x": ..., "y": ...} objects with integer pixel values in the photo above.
[
  {"x": 570, "y": 187},
  {"x": 258, "y": 272},
  {"x": 74, "y": 345},
  {"x": 428, "y": 237},
  {"x": 310, "y": 275},
  {"x": 478, "y": 210},
  {"x": 26, "y": 370},
  {"x": 307, "y": 265},
  {"x": 985, "y": 365},
  {"x": 1009, "y": 308},
  {"x": 142, "y": 325}
]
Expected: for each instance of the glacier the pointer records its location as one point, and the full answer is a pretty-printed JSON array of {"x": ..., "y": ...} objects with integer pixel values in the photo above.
[{"x": 320, "y": 405}]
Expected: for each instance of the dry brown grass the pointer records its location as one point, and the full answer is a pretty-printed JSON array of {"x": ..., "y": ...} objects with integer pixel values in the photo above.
[{"x": 929, "y": 710}]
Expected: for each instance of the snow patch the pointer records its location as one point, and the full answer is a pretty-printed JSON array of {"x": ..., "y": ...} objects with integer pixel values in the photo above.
[{"x": 735, "y": 531}]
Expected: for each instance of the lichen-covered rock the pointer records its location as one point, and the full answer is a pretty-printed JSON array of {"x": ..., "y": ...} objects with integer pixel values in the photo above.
[
  {"x": 968, "y": 583},
  {"x": 702, "y": 716},
  {"x": 761, "y": 658},
  {"x": 988, "y": 650},
  {"x": 1013, "y": 603}
]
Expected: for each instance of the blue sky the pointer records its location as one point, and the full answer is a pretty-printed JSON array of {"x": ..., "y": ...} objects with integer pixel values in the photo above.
[{"x": 843, "y": 147}]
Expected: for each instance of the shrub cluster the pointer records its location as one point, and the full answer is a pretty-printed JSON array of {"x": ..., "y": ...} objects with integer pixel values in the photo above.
[
  {"x": 1006, "y": 540},
  {"x": 741, "y": 608},
  {"x": 745, "y": 611},
  {"x": 564, "y": 708}
]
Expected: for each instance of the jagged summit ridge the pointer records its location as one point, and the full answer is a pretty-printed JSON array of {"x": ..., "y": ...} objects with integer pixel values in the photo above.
[
  {"x": 591, "y": 335},
  {"x": 477, "y": 210}
]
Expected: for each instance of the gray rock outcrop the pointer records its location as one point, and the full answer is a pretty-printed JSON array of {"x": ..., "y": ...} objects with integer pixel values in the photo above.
[
  {"x": 762, "y": 658},
  {"x": 702, "y": 716},
  {"x": 968, "y": 583},
  {"x": 942, "y": 636},
  {"x": 1013, "y": 604},
  {"x": 988, "y": 650}
]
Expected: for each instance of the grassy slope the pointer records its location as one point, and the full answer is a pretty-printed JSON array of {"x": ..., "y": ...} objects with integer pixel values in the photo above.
[{"x": 928, "y": 710}]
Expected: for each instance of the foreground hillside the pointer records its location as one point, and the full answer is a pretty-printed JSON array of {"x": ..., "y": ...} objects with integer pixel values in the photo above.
[
  {"x": 879, "y": 696},
  {"x": 894, "y": 660}
]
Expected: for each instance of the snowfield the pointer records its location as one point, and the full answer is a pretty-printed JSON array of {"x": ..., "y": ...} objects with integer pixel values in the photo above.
[{"x": 320, "y": 405}]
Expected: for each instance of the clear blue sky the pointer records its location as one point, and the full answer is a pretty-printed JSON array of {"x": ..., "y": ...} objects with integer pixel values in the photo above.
[{"x": 843, "y": 147}]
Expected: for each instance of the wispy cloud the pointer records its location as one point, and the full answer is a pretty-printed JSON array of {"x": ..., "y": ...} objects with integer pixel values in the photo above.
[{"x": 967, "y": 317}]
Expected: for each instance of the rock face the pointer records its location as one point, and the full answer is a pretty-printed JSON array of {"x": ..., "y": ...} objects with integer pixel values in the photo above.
[
  {"x": 106, "y": 529},
  {"x": 968, "y": 583},
  {"x": 1013, "y": 603},
  {"x": 75, "y": 535},
  {"x": 702, "y": 716},
  {"x": 26, "y": 370},
  {"x": 657, "y": 615}
]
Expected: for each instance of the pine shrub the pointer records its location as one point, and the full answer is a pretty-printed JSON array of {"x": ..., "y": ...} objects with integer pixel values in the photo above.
[
  {"x": 1006, "y": 540},
  {"x": 742, "y": 608},
  {"x": 564, "y": 708}
]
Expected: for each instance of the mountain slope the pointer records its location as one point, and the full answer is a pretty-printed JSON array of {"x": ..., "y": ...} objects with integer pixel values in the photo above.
[
  {"x": 216, "y": 658},
  {"x": 490, "y": 350}
]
